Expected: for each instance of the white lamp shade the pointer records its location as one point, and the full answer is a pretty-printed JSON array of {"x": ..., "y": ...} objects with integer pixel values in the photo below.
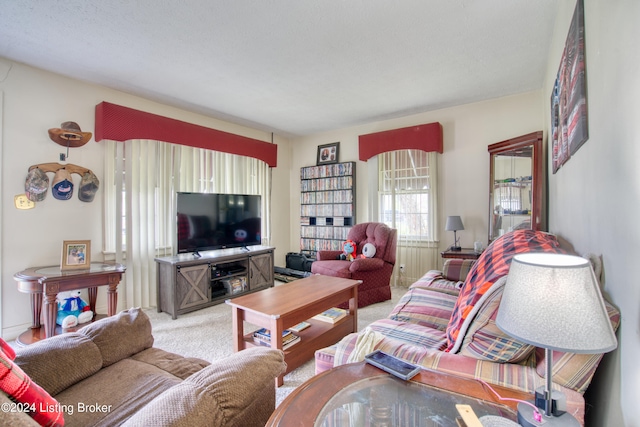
[
  {"x": 553, "y": 301},
  {"x": 454, "y": 223}
]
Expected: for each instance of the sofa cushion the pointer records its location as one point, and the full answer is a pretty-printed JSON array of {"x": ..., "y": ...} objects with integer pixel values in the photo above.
[
  {"x": 115, "y": 393},
  {"x": 23, "y": 391},
  {"x": 211, "y": 397},
  {"x": 121, "y": 335},
  {"x": 425, "y": 307},
  {"x": 493, "y": 264},
  {"x": 181, "y": 367},
  {"x": 484, "y": 340},
  {"x": 60, "y": 361}
]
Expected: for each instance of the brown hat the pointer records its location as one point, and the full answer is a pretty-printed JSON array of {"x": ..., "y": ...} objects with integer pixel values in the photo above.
[
  {"x": 69, "y": 135},
  {"x": 88, "y": 186}
]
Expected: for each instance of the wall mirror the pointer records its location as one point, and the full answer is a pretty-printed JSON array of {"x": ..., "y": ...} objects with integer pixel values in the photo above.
[{"x": 516, "y": 183}]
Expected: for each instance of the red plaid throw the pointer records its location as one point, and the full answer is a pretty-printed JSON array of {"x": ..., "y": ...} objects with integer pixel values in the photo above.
[
  {"x": 27, "y": 395},
  {"x": 493, "y": 264}
]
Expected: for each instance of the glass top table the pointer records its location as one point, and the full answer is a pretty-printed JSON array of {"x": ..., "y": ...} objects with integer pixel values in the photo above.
[
  {"x": 388, "y": 401},
  {"x": 358, "y": 394}
]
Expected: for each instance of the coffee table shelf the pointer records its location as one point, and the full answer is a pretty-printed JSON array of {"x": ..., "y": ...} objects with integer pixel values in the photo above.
[{"x": 318, "y": 335}]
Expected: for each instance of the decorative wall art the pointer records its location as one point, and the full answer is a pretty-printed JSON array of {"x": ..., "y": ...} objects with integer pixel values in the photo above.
[
  {"x": 569, "y": 126},
  {"x": 76, "y": 255},
  {"x": 328, "y": 153}
]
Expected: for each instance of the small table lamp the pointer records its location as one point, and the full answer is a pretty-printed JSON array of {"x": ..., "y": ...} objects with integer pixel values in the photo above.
[
  {"x": 454, "y": 223},
  {"x": 553, "y": 301}
]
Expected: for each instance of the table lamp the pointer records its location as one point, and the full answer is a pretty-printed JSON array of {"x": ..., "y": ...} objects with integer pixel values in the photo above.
[
  {"x": 553, "y": 301},
  {"x": 454, "y": 223}
]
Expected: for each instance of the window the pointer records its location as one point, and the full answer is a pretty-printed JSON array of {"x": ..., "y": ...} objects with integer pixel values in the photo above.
[{"x": 406, "y": 193}]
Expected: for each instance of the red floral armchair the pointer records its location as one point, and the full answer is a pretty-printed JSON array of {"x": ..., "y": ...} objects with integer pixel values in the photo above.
[{"x": 374, "y": 272}]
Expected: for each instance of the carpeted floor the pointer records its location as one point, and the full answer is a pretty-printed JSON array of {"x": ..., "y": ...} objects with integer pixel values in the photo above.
[{"x": 206, "y": 334}]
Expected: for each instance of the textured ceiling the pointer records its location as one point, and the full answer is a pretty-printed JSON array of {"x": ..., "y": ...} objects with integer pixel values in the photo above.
[{"x": 293, "y": 67}]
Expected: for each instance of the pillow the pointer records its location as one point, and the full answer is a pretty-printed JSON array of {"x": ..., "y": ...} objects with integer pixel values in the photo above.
[
  {"x": 50, "y": 363},
  {"x": 27, "y": 395},
  {"x": 492, "y": 265},
  {"x": 484, "y": 340},
  {"x": 457, "y": 269}
]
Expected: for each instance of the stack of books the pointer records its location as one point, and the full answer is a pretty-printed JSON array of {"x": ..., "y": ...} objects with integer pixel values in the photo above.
[
  {"x": 263, "y": 337},
  {"x": 332, "y": 315}
]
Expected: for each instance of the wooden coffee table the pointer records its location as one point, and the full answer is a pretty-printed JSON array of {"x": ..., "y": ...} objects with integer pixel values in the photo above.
[
  {"x": 286, "y": 305},
  {"x": 379, "y": 399}
]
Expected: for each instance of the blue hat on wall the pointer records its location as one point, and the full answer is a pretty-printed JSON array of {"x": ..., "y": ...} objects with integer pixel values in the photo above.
[{"x": 62, "y": 186}]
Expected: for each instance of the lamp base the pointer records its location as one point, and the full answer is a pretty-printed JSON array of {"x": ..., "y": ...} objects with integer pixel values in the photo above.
[
  {"x": 455, "y": 248},
  {"x": 525, "y": 418}
]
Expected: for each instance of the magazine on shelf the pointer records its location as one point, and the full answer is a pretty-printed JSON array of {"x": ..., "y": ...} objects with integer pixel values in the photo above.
[
  {"x": 264, "y": 334},
  {"x": 287, "y": 341},
  {"x": 331, "y": 315},
  {"x": 300, "y": 326}
]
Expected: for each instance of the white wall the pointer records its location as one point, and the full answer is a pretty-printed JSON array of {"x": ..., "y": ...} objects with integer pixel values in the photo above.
[
  {"x": 464, "y": 168},
  {"x": 34, "y": 101},
  {"x": 594, "y": 199}
]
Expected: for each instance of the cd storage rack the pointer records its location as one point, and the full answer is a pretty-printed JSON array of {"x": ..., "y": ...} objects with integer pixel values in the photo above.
[{"x": 327, "y": 206}]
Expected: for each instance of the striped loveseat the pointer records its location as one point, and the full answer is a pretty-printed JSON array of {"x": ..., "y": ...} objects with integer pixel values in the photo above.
[{"x": 446, "y": 322}]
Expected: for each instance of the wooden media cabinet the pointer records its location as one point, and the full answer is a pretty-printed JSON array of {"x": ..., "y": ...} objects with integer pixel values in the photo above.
[{"x": 187, "y": 283}]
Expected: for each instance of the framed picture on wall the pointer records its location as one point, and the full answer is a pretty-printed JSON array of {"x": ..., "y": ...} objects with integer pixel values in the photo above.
[
  {"x": 76, "y": 255},
  {"x": 569, "y": 124},
  {"x": 328, "y": 153}
]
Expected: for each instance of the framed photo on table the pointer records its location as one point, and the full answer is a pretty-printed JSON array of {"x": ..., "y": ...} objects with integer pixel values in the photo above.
[
  {"x": 328, "y": 153},
  {"x": 76, "y": 255}
]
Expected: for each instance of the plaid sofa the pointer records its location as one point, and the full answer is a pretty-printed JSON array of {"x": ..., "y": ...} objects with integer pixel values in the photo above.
[{"x": 446, "y": 322}]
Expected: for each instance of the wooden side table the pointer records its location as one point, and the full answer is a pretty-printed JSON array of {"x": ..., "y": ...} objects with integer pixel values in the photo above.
[
  {"x": 464, "y": 253},
  {"x": 46, "y": 282}
]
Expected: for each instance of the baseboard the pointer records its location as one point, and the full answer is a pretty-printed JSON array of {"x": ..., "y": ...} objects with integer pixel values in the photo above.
[{"x": 10, "y": 334}]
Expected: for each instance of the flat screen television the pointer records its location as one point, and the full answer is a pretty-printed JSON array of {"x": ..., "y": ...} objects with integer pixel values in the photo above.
[{"x": 207, "y": 221}]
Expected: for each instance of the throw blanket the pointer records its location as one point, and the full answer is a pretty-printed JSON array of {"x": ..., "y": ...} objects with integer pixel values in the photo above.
[
  {"x": 365, "y": 344},
  {"x": 492, "y": 265}
]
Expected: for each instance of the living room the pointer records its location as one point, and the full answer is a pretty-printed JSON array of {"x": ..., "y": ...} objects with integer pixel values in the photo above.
[{"x": 583, "y": 196}]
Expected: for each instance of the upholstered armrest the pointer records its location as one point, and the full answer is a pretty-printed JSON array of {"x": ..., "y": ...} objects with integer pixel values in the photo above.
[
  {"x": 457, "y": 269},
  {"x": 366, "y": 264},
  {"x": 15, "y": 418},
  {"x": 236, "y": 391},
  {"x": 327, "y": 255}
]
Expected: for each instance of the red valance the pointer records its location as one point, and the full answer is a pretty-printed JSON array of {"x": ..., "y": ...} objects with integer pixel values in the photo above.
[
  {"x": 119, "y": 123},
  {"x": 426, "y": 137}
]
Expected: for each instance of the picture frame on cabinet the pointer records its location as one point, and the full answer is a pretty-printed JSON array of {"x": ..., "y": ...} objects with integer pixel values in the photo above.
[
  {"x": 328, "y": 154},
  {"x": 76, "y": 255}
]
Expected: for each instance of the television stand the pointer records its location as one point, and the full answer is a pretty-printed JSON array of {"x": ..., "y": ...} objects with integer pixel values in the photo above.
[
  {"x": 187, "y": 282},
  {"x": 196, "y": 254}
]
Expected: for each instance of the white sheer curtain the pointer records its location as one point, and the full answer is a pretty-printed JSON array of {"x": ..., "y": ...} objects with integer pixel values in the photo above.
[
  {"x": 408, "y": 201},
  {"x": 143, "y": 178}
]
